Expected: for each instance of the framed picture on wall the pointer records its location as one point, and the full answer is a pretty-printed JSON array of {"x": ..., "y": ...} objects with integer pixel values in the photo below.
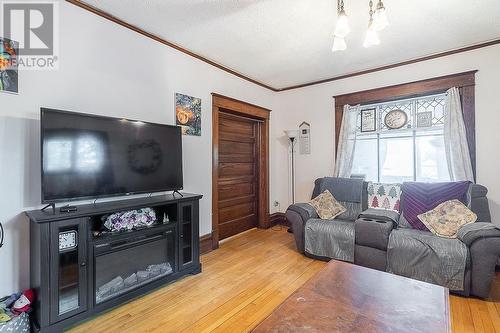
[
  {"x": 188, "y": 114},
  {"x": 9, "y": 51},
  {"x": 368, "y": 120},
  {"x": 424, "y": 119}
]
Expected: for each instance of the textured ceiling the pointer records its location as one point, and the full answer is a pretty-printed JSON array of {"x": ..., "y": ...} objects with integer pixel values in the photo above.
[{"x": 283, "y": 43}]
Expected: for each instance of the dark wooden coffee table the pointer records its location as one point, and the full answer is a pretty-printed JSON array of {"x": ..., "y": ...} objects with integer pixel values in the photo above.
[{"x": 348, "y": 298}]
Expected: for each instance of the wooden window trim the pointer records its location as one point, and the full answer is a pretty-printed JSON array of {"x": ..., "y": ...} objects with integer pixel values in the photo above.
[
  {"x": 237, "y": 107},
  {"x": 465, "y": 82}
]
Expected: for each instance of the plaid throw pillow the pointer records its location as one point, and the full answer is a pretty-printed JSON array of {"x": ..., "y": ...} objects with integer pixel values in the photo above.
[
  {"x": 447, "y": 218},
  {"x": 326, "y": 206}
]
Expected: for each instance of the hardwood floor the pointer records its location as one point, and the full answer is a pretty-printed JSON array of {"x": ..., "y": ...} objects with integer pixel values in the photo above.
[
  {"x": 475, "y": 315},
  {"x": 241, "y": 283}
]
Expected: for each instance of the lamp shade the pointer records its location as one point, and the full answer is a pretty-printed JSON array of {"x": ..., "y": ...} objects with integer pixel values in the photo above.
[
  {"x": 371, "y": 38},
  {"x": 342, "y": 27},
  {"x": 292, "y": 134},
  {"x": 380, "y": 18},
  {"x": 338, "y": 44}
]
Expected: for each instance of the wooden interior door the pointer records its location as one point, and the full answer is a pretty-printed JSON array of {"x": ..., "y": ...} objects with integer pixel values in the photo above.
[
  {"x": 240, "y": 167},
  {"x": 238, "y": 174}
]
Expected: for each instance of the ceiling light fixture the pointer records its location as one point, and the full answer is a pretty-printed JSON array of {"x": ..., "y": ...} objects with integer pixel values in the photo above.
[
  {"x": 371, "y": 38},
  {"x": 377, "y": 22},
  {"x": 379, "y": 17},
  {"x": 341, "y": 28}
]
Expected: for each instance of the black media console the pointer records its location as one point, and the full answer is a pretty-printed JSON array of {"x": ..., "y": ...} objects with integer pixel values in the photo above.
[{"x": 79, "y": 270}]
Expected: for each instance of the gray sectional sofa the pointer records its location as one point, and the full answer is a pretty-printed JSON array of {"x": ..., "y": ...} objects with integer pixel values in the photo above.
[{"x": 372, "y": 233}]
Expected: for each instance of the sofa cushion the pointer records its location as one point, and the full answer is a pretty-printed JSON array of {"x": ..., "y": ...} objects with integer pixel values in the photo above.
[
  {"x": 352, "y": 211},
  {"x": 403, "y": 223},
  {"x": 424, "y": 256},
  {"x": 384, "y": 196},
  {"x": 343, "y": 189},
  {"x": 332, "y": 238},
  {"x": 447, "y": 218},
  {"x": 326, "y": 206}
]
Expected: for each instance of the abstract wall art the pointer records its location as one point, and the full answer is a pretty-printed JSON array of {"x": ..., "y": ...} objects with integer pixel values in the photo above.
[
  {"x": 188, "y": 114},
  {"x": 8, "y": 65}
]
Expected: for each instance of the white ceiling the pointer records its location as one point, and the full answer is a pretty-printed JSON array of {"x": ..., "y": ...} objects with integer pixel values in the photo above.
[{"x": 287, "y": 42}]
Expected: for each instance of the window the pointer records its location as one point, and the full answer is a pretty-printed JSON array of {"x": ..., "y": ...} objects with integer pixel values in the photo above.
[{"x": 414, "y": 152}]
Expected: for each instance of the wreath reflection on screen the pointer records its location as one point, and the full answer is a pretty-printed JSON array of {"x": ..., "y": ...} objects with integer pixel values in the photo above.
[{"x": 145, "y": 157}]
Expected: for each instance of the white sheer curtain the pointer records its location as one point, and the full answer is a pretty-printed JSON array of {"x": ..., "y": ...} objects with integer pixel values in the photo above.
[
  {"x": 347, "y": 141},
  {"x": 455, "y": 139}
]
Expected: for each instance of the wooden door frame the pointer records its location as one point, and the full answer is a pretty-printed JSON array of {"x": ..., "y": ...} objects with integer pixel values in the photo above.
[{"x": 240, "y": 108}]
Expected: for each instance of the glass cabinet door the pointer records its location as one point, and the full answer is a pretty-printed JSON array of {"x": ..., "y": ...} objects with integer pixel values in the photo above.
[
  {"x": 186, "y": 251},
  {"x": 68, "y": 248}
]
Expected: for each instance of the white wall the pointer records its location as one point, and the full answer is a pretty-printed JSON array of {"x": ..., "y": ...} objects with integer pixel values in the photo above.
[
  {"x": 315, "y": 105},
  {"x": 109, "y": 70}
]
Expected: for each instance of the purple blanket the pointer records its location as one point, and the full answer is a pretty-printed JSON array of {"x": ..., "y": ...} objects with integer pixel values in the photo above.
[{"x": 419, "y": 198}]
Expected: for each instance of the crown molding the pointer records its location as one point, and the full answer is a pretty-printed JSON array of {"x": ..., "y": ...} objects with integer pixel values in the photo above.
[
  {"x": 398, "y": 64},
  {"x": 138, "y": 30}
]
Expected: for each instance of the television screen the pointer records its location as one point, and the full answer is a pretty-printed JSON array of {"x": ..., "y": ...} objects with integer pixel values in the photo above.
[{"x": 88, "y": 156}]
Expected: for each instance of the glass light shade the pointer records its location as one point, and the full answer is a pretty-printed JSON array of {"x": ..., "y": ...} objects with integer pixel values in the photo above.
[
  {"x": 292, "y": 134},
  {"x": 342, "y": 27},
  {"x": 371, "y": 38},
  {"x": 380, "y": 19},
  {"x": 338, "y": 44}
]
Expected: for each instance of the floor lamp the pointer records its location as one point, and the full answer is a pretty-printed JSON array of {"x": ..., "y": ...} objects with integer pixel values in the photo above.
[{"x": 292, "y": 135}]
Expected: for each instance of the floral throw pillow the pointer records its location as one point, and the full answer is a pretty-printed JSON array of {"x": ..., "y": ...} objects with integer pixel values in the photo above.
[
  {"x": 447, "y": 218},
  {"x": 131, "y": 219},
  {"x": 384, "y": 196},
  {"x": 326, "y": 206}
]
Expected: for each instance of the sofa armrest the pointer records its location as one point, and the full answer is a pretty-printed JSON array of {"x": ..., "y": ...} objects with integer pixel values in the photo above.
[
  {"x": 373, "y": 233},
  {"x": 380, "y": 215},
  {"x": 483, "y": 241},
  {"x": 472, "y": 232},
  {"x": 373, "y": 227},
  {"x": 297, "y": 215},
  {"x": 484, "y": 253}
]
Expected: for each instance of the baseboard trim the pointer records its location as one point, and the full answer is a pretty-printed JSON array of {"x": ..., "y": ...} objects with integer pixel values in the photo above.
[
  {"x": 206, "y": 243},
  {"x": 278, "y": 218}
]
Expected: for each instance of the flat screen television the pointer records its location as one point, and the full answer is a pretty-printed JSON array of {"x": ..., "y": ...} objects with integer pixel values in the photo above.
[{"x": 87, "y": 156}]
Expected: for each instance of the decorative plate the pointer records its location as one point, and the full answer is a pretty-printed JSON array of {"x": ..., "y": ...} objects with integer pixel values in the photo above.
[{"x": 395, "y": 119}]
